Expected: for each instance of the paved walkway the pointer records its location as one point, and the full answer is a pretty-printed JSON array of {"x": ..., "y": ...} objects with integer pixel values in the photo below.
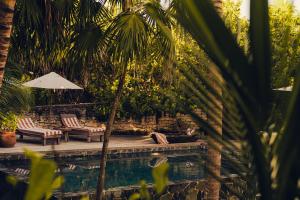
[{"x": 115, "y": 142}]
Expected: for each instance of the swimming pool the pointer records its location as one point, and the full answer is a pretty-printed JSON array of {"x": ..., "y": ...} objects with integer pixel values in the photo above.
[{"x": 81, "y": 173}]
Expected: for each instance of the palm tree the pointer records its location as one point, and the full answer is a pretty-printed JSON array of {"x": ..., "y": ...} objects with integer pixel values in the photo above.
[
  {"x": 267, "y": 162},
  {"x": 59, "y": 36},
  {"x": 128, "y": 36},
  {"x": 6, "y": 19}
]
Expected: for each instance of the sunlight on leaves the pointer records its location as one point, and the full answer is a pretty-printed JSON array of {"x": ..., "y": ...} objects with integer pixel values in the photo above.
[
  {"x": 160, "y": 176},
  {"x": 144, "y": 193},
  {"x": 42, "y": 179},
  {"x": 12, "y": 180},
  {"x": 85, "y": 197},
  {"x": 58, "y": 181},
  {"x": 135, "y": 196}
]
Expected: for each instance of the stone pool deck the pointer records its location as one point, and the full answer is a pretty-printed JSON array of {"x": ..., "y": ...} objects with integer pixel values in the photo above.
[{"x": 117, "y": 145}]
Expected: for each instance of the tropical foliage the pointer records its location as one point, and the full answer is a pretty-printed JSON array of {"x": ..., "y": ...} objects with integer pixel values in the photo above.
[
  {"x": 285, "y": 40},
  {"x": 8, "y": 122},
  {"x": 245, "y": 82},
  {"x": 42, "y": 180},
  {"x": 128, "y": 45},
  {"x": 100, "y": 75},
  {"x": 141, "y": 54},
  {"x": 285, "y": 37},
  {"x": 14, "y": 98}
]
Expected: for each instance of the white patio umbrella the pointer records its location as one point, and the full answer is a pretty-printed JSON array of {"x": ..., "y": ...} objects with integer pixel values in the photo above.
[
  {"x": 285, "y": 89},
  {"x": 52, "y": 81}
]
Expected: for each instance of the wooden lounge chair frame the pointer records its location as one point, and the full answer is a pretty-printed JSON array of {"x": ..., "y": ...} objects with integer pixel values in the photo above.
[
  {"x": 44, "y": 137},
  {"x": 78, "y": 130}
]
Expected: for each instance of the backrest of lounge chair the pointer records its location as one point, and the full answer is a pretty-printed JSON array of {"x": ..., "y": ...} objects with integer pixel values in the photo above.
[
  {"x": 160, "y": 138},
  {"x": 25, "y": 123},
  {"x": 69, "y": 120}
]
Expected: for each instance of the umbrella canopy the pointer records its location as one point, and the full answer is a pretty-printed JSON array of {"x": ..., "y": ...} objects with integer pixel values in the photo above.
[
  {"x": 52, "y": 81},
  {"x": 285, "y": 89}
]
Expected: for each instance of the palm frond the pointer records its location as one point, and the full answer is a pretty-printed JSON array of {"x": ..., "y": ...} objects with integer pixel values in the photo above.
[
  {"x": 287, "y": 150},
  {"x": 161, "y": 24},
  {"x": 14, "y": 97},
  {"x": 246, "y": 101},
  {"x": 261, "y": 55},
  {"x": 128, "y": 37}
]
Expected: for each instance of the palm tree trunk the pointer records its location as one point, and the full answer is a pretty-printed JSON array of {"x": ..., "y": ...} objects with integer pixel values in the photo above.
[
  {"x": 101, "y": 179},
  {"x": 114, "y": 107},
  {"x": 213, "y": 153},
  {"x": 6, "y": 21},
  {"x": 214, "y": 148}
]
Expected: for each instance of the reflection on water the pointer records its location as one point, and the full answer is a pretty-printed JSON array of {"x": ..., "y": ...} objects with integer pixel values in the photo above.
[
  {"x": 124, "y": 172},
  {"x": 81, "y": 173}
]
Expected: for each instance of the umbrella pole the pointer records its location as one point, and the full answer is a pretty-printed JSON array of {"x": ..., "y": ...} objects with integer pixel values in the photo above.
[{"x": 50, "y": 108}]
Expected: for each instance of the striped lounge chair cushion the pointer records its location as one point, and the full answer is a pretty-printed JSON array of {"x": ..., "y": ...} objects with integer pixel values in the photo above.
[
  {"x": 161, "y": 138},
  {"x": 89, "y": 129},
  {"x": 71, "y": 122},
  {"x": 25, "y": 123},
  {"x": 41, "y": 131}
]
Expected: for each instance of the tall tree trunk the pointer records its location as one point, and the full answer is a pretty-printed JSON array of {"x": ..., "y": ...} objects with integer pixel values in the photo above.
[
  {"x": 6, "y": 21},
  {"x": 214, "y": 148},
  {"x": 114, "y": 107},
  {"x": 101, "y": 179}
]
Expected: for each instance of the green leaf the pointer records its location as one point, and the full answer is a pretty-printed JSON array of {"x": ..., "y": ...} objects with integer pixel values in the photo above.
[
  {"x": 131, "y": 32},
  {"x": 144, "y": 193},
  {"x": 135, "y": 196},
  {"x": 288, "y": 148},
  {"x": 160, "y": 175},
  {"x": 57, "y": 183},
  {"x": 12, "y": 180},
  {"x": 41, "y": 179},
  {"x": 260, "y": 48},
  {"x": 85, "y": 197}
]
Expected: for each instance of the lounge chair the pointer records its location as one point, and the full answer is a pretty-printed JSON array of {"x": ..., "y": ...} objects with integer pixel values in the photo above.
[
  {"x": 182, "y": 138},
  {"x": 189, "y": 135},
  {"x": 28, "y": 128},
  {"x": 159, "y": 138},
  {"x": 70, "y": 121}
]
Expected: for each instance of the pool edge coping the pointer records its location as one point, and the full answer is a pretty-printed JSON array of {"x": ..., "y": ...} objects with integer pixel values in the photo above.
[{"x": 111, "y": 150}]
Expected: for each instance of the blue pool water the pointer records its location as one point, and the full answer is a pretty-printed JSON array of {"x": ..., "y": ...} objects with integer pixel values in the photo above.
[{"x": 81, "y": 173}]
